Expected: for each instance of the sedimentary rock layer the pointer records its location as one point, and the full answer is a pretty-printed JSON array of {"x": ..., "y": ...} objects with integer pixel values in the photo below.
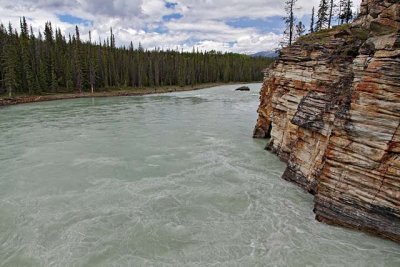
[{"x": 331, "y": 108}]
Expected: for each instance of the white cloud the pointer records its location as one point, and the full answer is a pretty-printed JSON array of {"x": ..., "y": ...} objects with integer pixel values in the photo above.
[{"x": 203, "y": 23}]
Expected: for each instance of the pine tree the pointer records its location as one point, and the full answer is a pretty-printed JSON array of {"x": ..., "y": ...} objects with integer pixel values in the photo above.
[
  {"x": 28, "y": 79},
  {"x": 42, "y": 74},
  {"x": 342, "y": 4},
  {"x": 331, "y": 8},
  {"x": 289, "y": 20},
  {"x": 113, "y": 71},
  {"x": 346, "y": 14},
  {"x": 54, "y": 79},
  {"x": 349, "y": 13},
  {"x": 3, "y": 37},
  {"x": 10, "y": 62},
  {"x": 312, "y": 20},
  {"x": 300, "y": 28},
  {"x": 322, "y": 15},
  {"x": 92, "y": 70},
  {"x": 50, "y": 76},
  {"x": 78, "y": 63},
  {"x": 112, "y": 39}
]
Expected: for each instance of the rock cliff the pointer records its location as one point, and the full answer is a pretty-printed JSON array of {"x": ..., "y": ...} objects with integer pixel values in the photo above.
[{"x": 331, "y": 108}]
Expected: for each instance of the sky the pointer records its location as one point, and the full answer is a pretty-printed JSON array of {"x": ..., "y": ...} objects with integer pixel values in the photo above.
[{"x": 242, "y": 26}]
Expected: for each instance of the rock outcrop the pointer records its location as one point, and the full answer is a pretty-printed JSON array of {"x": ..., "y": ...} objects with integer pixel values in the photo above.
[
  {"x": 243, "y": 88},
  {"x": 331, "y": 108}
]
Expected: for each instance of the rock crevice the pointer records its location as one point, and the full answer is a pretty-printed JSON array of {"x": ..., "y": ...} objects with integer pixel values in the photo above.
[{"x": 331, "y": 108}]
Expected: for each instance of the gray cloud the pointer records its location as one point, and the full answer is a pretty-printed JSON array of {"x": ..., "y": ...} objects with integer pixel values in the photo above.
[
  {"x": 32, "y": 5},
  {"x": 115, "y": 8}
]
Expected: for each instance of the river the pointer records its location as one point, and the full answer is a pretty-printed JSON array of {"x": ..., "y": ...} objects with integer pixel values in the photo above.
[{"x": 161, "y": 180}]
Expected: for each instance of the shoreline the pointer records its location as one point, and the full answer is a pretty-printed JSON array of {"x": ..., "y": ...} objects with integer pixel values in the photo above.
[{"x": 25, "y": 99}]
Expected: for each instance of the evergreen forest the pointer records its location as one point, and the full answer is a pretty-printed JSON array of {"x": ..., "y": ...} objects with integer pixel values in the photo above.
[{"x": 51, "y": 62}]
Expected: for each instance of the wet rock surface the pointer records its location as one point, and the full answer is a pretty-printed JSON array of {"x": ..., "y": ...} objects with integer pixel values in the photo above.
[{"x": 331, "y": 104}]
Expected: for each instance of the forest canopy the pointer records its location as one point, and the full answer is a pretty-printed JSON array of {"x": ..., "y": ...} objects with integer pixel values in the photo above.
[{"x": 51, "y": 62}]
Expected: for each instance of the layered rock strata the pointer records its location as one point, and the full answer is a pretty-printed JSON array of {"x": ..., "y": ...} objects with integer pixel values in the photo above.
[{"x": 331, "y": 108}]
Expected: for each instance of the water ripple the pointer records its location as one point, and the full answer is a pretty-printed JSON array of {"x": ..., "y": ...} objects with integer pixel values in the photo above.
[{"x": 168, "y": 180}]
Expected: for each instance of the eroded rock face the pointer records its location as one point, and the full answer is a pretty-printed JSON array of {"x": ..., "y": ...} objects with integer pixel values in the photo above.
[
  {"x": 331, "y": 105},
  {"x": 380, "y": 16}
]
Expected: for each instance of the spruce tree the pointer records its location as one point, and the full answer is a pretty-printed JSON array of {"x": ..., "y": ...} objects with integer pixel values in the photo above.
[
  {"x": 10, "y": 62},
  {"x": 41, "y": 66},
  {"x": 342, "y": 4},
  {"x": 28, "y": 79},
  {"x": 322, "y": 15},
  {"x": 289, "y": 20},
  {"x": 312, "y": 20},
  {"x": 347, "y": 13},
  {"x": 331, "y": 8},
  {"x": 300, "y": 28},
  {"x": 3, "y": 37},
  {"x": 78, "y": 61},
  {"x": 92, "y": 70},
  {"x": 49, "y": 57}
]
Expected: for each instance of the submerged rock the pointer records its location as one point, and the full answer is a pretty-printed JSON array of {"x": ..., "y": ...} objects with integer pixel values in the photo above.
[
  {"x": 243, "y": 88},
  {"x": 331, "y": 105}
]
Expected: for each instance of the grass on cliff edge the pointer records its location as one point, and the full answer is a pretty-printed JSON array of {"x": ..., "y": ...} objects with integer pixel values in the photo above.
[{"x": 322, "y": 36}]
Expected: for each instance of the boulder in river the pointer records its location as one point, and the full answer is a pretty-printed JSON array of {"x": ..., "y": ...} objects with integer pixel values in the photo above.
[{"x": 243, "y": 88}]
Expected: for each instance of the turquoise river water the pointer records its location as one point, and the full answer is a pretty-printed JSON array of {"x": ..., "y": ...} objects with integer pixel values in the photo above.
[{"x": 162, "y": 180}]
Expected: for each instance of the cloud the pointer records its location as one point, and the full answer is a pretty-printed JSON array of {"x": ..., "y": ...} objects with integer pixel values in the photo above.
[{"x": 244, "y": 26}]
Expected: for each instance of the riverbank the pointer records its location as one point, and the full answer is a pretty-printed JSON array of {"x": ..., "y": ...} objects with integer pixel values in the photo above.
[{"x": 23, "y": 99}]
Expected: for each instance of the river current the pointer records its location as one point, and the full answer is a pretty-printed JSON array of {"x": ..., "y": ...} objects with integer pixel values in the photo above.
[{"x": 161, "y": 180}]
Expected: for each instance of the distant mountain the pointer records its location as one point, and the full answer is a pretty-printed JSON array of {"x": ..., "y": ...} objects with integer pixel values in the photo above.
[{"x": 271, "y": 54}]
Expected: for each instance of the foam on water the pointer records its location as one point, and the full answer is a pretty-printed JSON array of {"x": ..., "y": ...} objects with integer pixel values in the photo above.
[{"x": 165, "y": 180}]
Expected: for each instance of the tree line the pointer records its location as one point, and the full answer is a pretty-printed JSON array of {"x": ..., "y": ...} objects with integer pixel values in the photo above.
[
  {"x": 51, "y": 62},
  {"x": 329, "y": 11}
]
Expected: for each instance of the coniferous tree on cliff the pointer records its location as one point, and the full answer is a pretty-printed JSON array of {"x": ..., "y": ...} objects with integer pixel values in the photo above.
[
  {"x": 340, "y": 10},
  {"x": 300, "y": 29},
  {"x": 289, "y": 20},
  {"x": 323, "y": 18},
  {"x": 332, "y": 5},
  {"x": 346, "y": 14},
  {"x": 312, "y": 20}
]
